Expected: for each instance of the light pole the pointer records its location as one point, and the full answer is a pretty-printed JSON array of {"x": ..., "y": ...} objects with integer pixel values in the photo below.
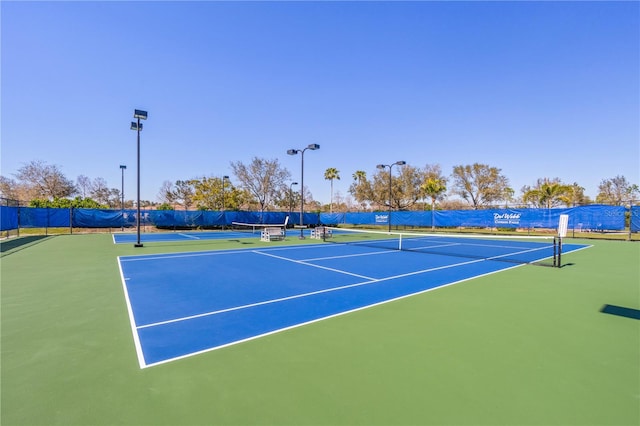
[
  {"x": 312, "y": 147},
  {"x": 122, "y": 168},
  {"x": 225, "y": 177},
  {"x": 291, "y": 197},
  {"x": 382, "y": 166},
  {"x": 137, "y": 126}
]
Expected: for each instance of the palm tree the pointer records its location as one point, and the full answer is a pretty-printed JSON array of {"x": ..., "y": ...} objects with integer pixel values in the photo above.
[
  {"x": 330, "y": 174},
  {"x": 548, "y": 193},
  {"x": 359, "y": 176},
  {"x": 434, "y": 188}
]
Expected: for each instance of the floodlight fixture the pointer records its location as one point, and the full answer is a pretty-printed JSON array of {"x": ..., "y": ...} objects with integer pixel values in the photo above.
[
  {"x": 139, "y": 114},
  {"x": 313, "y": 147},
  {"x": 137, "y": 126},
  {"x": 383, "y": 166}
]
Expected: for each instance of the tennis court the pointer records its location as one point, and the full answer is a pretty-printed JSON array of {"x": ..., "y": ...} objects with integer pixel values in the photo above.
[
  {"x": 528, "y": 345},
  {"x": 166, "y": 237},
  {"x": 182, "y": 304},
  {"x": 237, "y": 231}
]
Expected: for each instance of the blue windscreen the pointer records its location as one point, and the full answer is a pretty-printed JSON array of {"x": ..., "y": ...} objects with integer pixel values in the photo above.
[
  {"x": 635, "y": 218},
  {"x": 591, "y": 217},
  {"x": 585, "y": 218},
  {"x": 8, "y": 218}
]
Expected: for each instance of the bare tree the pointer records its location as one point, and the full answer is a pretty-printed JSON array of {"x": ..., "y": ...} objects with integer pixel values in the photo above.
[
  {"x": 83, "y": 184},
  {"x": 479, "y": 184},
  {"x": 339, "y": 202},
  {"x": 262, "y": 178},
  {"x": 9, "y": 188},
  {"x": 184, "y": 192},
  {"x": 166, "y": 193},
  {"x": 617, "y": 191},
  {"x": 45, "y": 181},
  {"x": 115, "y": 198},
  {"x": 100, "y": 191}
]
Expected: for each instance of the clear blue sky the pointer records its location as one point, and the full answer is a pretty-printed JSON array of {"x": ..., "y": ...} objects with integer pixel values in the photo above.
[{"x": 537, "y": 89}]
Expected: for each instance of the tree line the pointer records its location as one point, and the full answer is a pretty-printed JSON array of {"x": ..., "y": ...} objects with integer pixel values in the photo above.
[{"x": 264, "y": 184}]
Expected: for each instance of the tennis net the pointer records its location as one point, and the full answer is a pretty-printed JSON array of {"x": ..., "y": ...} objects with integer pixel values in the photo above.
[
  {"x": 535, "y": 250},
  {"x": 256, "y": 228},
  {"x": 252, "y": 228}
]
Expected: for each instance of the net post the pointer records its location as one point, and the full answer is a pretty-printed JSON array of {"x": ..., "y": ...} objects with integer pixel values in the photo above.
[
  {"x": 559, "y": 252},
  {"x": 563, "y": 224}
]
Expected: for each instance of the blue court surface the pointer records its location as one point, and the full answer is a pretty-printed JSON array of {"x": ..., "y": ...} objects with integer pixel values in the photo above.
[
  {"x": 183, "y": 304},
  {"x": 164, "y": 237}
]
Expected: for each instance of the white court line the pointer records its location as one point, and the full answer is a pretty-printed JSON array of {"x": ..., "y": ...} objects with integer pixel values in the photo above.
[
  {"x": 435, "y": 246},
  {"x": 143, "y": 257},
  {"x": 134, "y": 331},
  {"x": 302, "y": 262},
  {"x": 481, "y": 245},
  {"x": 189, "y": 236},
  {"x": 145, "y": 365},
  {"x": 165, "y": 361},
  {"x": 140, "y": 258},
  {"x": 542, "y": 240},
  {"x": 519, "y": 252},
  {"x": 297, "y": 296},
  {"x": 343, "y": 256}
]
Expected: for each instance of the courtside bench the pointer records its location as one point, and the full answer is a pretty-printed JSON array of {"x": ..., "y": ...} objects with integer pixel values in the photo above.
[
  {"x": 272, "y": 234},
  {"x": 321, "y": 232}
]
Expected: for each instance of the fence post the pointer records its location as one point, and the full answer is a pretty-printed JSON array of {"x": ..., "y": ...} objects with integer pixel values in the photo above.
[{"x": 630, "y": 219}]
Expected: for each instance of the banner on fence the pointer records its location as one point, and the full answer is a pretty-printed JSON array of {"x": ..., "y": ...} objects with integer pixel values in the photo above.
[
  {"x": 588, "y": 218},
  {"x": 584, "y": 218}
]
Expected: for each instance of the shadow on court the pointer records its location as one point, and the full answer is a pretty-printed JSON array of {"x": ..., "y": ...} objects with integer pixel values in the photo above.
[
  {"x": 621, "y": 311},
  {"x": 13, "y": 245}
]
